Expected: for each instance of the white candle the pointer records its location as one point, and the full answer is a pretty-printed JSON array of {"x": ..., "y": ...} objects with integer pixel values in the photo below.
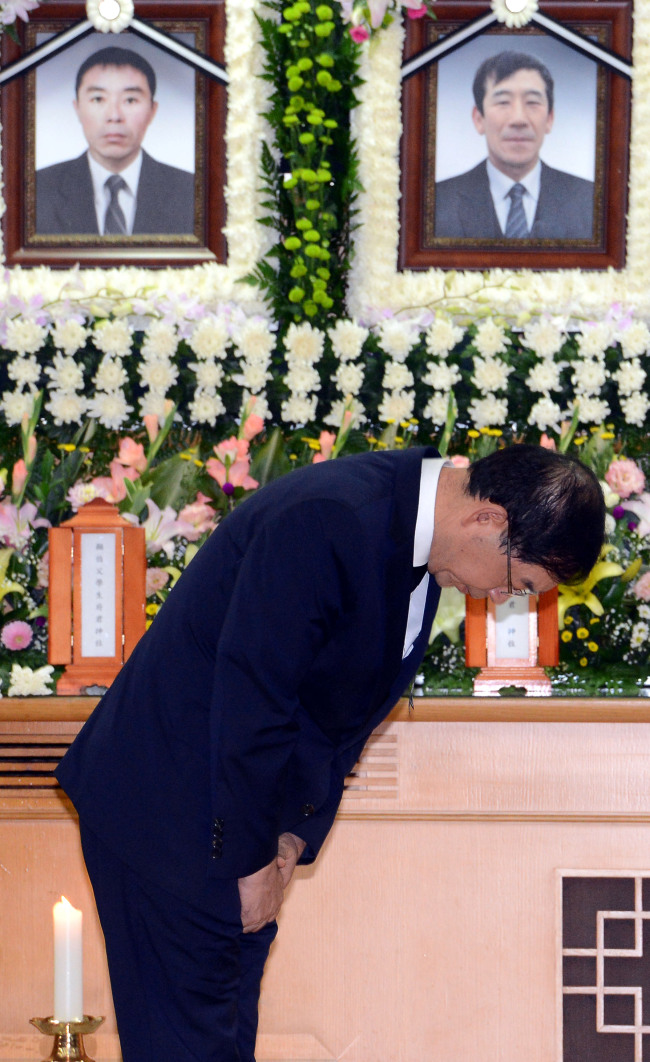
[{"x": 68, "y": 966}]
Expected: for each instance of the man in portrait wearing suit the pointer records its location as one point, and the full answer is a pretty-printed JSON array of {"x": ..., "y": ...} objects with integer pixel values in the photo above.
[
  {"x": 216, "y": 760},
  {"x": 115, "y": 188},
  {"x": 513, "y": 194}
]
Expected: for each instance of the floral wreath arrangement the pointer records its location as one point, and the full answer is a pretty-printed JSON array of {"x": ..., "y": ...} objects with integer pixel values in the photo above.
[{"x": 173, "y": 407}]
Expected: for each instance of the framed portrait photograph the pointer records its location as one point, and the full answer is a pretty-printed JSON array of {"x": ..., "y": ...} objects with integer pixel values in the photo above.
[
  {"x": 515, "y": 144},
  {"x": 113, "y": 146}
]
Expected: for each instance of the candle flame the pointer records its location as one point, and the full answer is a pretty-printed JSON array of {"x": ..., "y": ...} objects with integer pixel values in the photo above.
[{"x": 66, "y": 902}]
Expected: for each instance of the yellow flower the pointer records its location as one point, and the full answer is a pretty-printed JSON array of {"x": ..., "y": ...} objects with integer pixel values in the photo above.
[
  {"x": 583, "y": 661},
  {"x": 566, "y": 636},
  {"x": 592, "y": 647},
  {"x": 7, "y": 586},
  {"x": 473, "y": 433},
  {"x": 582, "y": 633},
  {"x": 581, "y": 593}
]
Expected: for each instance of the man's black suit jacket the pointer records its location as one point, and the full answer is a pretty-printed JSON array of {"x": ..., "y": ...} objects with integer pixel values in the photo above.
[
  {"x": 464, "y": 207},
  {"x": 248, "y": 701},
  {"x": 65, "y": 199}
]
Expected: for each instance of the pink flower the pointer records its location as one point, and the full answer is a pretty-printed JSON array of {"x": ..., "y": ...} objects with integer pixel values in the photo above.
[
  {"x": 11, "y": 8},
  {"x": 415, "y": 12},
  {"x": 16, "y": 524},
  {"x": 547, "y": 443},
  {"x": 252, "y": 426},
  {"x": 378, "y": 9},
  {"x": 625, "y": 477},
  {"x": 200, "y": 515},
  {"x": 112, "y": 487},
  {"x": 16, "y": 635},
  {"x": 231, "y": 464},
  {"x": 642, "y": 587},
  {"x": 359, "y": 34},
  {"x": 132, "y": 454},
  {"x": 161, "y": 527},
  {"x": 156, "y": 578},
  {"x": 459, "y": 461},
  {"x": 152, "y": 425},
  {"x": 326, "y": 440},
  {"x": 18, "y": 477}
]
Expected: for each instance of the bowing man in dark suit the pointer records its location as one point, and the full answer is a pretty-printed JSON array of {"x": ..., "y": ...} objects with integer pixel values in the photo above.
[
  {"x": 115, "y": 188},
  {"x": 513, "y": 194},
  {"x": 216, "y": 760}
]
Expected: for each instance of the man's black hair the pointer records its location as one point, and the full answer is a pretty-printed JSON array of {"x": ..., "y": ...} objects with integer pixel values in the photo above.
[
  {"x": 504, "y": 65},
  {"x": 114, "y": 56},
  {"x": 555, "y": 507}
]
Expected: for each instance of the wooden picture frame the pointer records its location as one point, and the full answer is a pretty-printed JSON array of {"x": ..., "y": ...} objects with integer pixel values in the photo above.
[
  {"x": 201, "y": 27},
  {"x": 424, "y": 241}
]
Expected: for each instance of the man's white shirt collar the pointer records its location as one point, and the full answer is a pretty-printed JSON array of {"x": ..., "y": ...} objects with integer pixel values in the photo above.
[
  {"x": 422, "y": 539},
  {"x": 500, "y": 186},
  {"x": 127, "y": 197}
]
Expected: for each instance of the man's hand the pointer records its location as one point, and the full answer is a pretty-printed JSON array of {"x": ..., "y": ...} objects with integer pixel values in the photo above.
[
  {"x": 290, "y": 849},
  {"x": 261, "y": 894}
]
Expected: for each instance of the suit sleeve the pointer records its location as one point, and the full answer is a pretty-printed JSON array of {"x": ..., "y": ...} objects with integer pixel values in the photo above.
[{"x": 301, "y": 573}]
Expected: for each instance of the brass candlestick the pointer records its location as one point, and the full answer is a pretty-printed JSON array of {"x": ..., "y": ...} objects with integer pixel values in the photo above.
[{"x": 68, "y": 1037}]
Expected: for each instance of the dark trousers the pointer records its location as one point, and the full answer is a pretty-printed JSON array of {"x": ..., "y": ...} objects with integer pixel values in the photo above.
[{"x": 185, "y": 980}]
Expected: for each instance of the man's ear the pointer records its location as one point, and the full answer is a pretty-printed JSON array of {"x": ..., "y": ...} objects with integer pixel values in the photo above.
[
  {"x": 478, "y": 119},
  {"x": 486, "y": 514}
]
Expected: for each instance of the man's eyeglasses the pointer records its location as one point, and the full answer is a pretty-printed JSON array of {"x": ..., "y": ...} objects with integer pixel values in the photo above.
[{"x": 511, "y": 591}]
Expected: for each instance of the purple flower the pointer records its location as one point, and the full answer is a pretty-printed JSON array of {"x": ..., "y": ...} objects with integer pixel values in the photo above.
[
  {"x": 618, "y": 511},
  {"x": 632, "y": 526},
  {"x": 228, "y": 488}
]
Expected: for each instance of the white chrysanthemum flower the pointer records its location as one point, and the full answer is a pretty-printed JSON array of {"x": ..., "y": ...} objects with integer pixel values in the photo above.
[
  {"x": 66, "y": 407},
  {"x": 158, "y": 374},
  {"x": 253, "y": 376},
  {"x": 634, "y": 340},
  {"x": 299, "y": 410},
  {"x": 592, "y": 410},
  {"x": 152, "y": 403},
  {"x": 349, "y": 378},
  {"x": 545, "y": 414},
  {"x": 523, "y": 11},
  {"x": 397, "y": 405},
  {"x": 255, "y": 340},
  {"x": 397, "y": 338},
  {"x": 113, "y": 337},
  {"x": 644, "y": 611},
  {"x": 488, "y": 412},
  {"x": 302, "y": 378},
  {"x": 69, "y": 336},
  {"x": 261, "y": 404},
  {"x": 30, "y": 682},
  {"x": 442, "y": 336},
  {"x": 545, "y": 376},
  {"x": 588, "y": 376},
  {"x": 205, "y": 408},
  {"x": 441, "y": 375},
  {"x": 17, "y": 404},
  {"x": 544, "y": 338},
  {"x": 639, "y": 635},
  {"x": 110, "y": 374},
  {"x": 630, "y": 376},
  {"x": 110, "y": 409},
  {"x": 24, "y": 371},
  {"x": 397, "y": 376},
  {"x": 635, "y": 409},
  {"x": 112, "y": 17},
  {"x": 160, "y": 340},
  {"x": 334, "y": 418},
  {"x": 24, "y": 336},
  {"x": 490, "y": 339},
  {"x": 209, "y": 374},
  {"x": 436, "y": 408},
  {"x": 65, "y": 373},
  {"x": 347, "y": 339},
  {"x": 304, "y": 343},
  {"x": 594, "y": 339},
  {"x": 610, "y": 525},
  {"x": 490, "y": 374},
  {"x": 210, "y": 338}
]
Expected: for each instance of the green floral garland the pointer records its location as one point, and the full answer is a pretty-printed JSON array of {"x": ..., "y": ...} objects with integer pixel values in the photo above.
[{"x": 310, "y": 174}]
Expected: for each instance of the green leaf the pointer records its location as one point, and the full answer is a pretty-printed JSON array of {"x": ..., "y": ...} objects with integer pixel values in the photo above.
[{"x": 271, "y": 460}]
